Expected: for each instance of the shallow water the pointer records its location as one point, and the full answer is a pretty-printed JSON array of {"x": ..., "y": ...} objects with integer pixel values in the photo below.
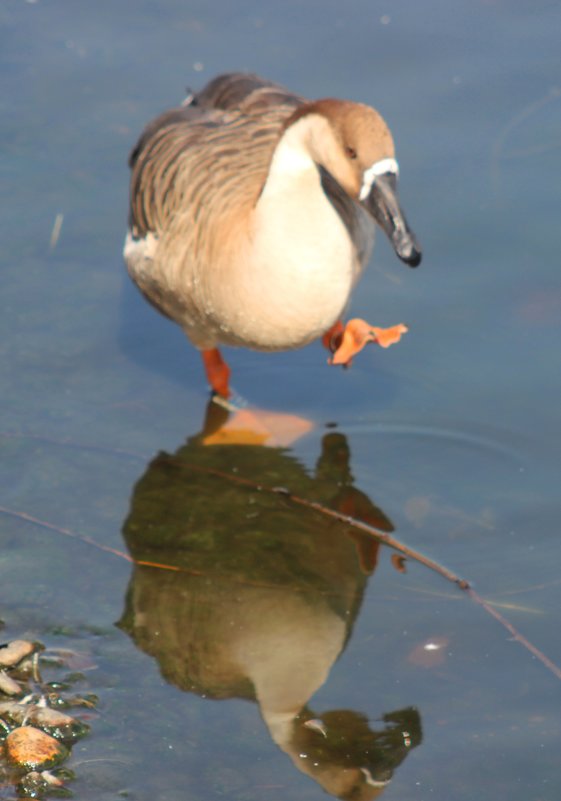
[{"x": 451, "y": 438}]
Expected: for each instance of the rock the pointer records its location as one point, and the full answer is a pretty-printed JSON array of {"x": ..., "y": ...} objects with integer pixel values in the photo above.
[
  {"x": 57, "y": 724},
  {"x": 13, "y": 652},
  {"x": 8, "y": 686},
  {"x": 32, "y": 749},
  {"x": 32, "y": 785}
]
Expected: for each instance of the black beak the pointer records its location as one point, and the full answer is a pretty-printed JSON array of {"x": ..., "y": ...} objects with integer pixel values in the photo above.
[{"x": 383, "y": 204}]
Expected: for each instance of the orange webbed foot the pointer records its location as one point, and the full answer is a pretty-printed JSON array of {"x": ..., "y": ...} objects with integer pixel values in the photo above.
[{"x": 358, "y": 333}]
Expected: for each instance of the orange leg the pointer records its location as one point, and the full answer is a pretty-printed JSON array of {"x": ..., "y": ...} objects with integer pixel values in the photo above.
[
  {"x": 346, "y": 342},
  {"x": 217, "y": 372},
  {"x": 333, "y": 336}
]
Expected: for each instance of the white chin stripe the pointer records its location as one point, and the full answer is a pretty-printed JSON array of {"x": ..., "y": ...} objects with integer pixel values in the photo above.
[{"x": 378, "y": 168}]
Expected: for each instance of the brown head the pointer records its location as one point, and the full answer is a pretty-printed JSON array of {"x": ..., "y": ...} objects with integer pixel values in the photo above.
[{"x": 354, "y": 144}]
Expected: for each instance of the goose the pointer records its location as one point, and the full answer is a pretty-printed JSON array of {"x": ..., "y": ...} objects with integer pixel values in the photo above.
[{"x": 252, "y": 216}]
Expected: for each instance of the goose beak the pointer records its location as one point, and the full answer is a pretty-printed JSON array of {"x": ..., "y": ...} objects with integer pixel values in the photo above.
[{"x": 381, "y": 200}]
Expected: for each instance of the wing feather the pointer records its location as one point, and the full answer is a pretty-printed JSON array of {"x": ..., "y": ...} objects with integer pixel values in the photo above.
[{"x": 220, "y": 143}]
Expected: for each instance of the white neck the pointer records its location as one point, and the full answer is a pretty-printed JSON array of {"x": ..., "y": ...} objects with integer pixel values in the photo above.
[
  {"x": 302, "y": 262},
  {"x": 293, "y": 158}
]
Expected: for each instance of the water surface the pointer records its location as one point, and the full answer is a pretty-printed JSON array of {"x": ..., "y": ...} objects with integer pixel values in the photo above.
[{"x": 450, "y": 440}]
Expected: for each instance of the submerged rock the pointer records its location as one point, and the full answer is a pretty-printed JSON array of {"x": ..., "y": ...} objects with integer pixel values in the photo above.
[
  {"x": 9, "y": 686},
  {"x": 32, "y": 749},
  {"x": 51, "y": 721},
  {"x": 13, "y": 652}
]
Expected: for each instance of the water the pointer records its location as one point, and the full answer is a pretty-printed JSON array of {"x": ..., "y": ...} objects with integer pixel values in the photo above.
[{"x": 451, "y": 438}]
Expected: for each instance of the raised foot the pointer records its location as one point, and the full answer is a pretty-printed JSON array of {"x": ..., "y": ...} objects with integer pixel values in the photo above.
[{"x": 358, "y": 333}]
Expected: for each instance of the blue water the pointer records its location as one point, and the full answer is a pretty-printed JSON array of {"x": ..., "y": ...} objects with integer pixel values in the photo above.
[{"x": 453, "y": 436}]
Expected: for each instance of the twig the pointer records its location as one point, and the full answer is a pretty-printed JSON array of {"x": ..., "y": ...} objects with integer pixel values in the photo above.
[
  {"x": 464, "y": 585},
  {"x": 65, "y": 531},
  {"x": 515, "y": 633},
  {"x": 352, "y": 522},
  {"x": 382, "y": 536},
  {"x": 90, "y": 541},
  {"x": 394, "y": 543}
]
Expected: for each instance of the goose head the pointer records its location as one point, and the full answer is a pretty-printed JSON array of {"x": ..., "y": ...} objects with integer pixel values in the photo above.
[{"x": 354, "y": 144}]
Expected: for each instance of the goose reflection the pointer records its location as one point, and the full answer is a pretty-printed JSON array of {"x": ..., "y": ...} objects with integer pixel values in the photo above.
[{"x": 264, "y": 595}]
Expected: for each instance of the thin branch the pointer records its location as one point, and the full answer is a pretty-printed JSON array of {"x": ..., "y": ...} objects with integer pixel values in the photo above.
[
  {"x": 352, "y": 522},
  {"x": 397, "y": 545},
  {"x": 382, "y": 536},
  {"x": 515, "y": 633},
  {"x": 64, "y": 531}
]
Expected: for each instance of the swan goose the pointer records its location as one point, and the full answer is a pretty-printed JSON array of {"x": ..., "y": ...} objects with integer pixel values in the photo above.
[{"x": 252, "y": 217}]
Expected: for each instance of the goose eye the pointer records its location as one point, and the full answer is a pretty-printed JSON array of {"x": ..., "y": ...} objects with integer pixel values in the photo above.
[{"x": 351, "y": 152}]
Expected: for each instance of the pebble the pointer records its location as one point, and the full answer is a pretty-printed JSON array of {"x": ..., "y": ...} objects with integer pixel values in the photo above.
[
  {"x": 32, "y": 749},
  {"x": 13, "y": 652},
  {"x": 8, "y": 686}
]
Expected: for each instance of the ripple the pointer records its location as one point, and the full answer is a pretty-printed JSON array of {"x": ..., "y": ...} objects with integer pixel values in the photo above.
[{"x": 506, "y": 444}]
